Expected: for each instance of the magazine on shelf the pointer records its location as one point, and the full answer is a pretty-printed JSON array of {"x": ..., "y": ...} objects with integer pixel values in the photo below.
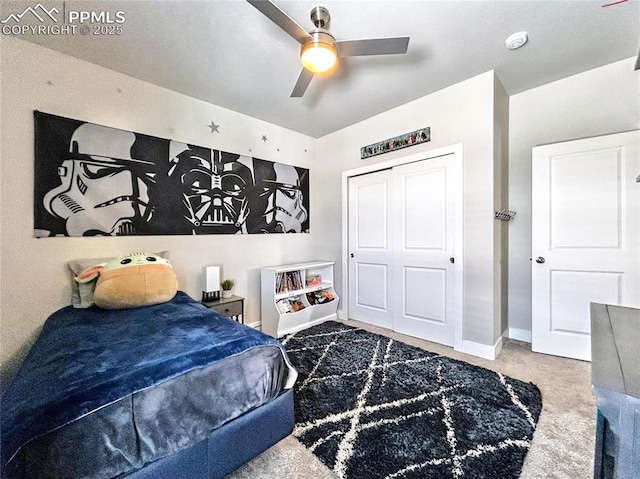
[{"x": 290, "y": 305}]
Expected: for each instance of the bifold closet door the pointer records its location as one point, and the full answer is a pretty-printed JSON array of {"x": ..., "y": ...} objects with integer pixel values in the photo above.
[
  {"x": 423, "y": 249},
  {"x": 370, "y": 248}
]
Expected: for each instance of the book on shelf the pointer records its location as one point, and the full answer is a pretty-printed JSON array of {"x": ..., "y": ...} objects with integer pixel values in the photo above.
[{"x": 288, "y": 281}]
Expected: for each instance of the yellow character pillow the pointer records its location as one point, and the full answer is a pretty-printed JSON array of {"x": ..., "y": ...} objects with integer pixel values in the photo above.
[{"x": 131, "y": 281}]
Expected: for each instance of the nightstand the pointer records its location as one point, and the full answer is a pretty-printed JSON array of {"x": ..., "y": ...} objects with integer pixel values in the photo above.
[{"x": 232, "y": 307}]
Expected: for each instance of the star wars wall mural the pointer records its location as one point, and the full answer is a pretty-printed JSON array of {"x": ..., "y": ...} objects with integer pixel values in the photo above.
[{"x": 92, "y": 180}]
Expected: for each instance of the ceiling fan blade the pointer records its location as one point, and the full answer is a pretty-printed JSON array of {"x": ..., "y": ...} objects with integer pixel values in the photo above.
[
  {"x": 281, "y": 19},
  {"x": 303, "y": 82},
  {"x": 372, "y": 46}
]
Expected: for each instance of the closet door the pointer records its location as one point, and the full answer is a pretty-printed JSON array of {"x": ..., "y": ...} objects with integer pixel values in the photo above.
[
  {"x": 404, "y": 273},
  {"x": 423, "y": 268},
  {"x": 370, "y": 248}
]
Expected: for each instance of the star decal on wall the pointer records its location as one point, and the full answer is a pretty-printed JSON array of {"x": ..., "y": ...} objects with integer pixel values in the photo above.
[
  {"x": 214, "y": 127},
  {"x": 264, "y": 138}
]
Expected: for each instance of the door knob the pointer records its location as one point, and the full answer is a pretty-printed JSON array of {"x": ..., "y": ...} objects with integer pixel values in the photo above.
[{"x": 540, "y": 260}]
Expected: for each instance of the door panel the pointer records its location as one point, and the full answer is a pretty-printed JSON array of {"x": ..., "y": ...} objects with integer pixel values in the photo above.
[
  {"x": 585, "y": 218},
  {"x": 424, "y": 208},
  {"x": 426, "y": 307},
  {"x": 372, "y": 286},
  {"x": 369, "y": 248},
  {"x": 574, "y": 213},
  {"x": 570, "y": 305},
  {"x": 371, "y": 216},
  {"x": 423, "y": 226}
]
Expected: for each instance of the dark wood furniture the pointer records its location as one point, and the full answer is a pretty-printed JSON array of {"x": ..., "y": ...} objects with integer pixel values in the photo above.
[
  {"x": 615, "y": 375},
  {"x": 232, "y": 307}
]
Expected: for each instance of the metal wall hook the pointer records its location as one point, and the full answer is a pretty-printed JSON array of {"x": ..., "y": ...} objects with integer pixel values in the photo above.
[{"x": 504, "y": 215}]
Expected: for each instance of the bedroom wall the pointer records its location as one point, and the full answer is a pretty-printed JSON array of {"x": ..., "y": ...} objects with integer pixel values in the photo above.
[
  {"x": 501, "y": 201},
  {"x": 462, "y": 113},
  {"x": 33, "y": 280},
  {"x": 597, "y": 102}
]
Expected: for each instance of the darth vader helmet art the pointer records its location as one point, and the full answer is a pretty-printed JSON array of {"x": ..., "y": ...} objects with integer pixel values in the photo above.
[{"x": 214, "y": 188}]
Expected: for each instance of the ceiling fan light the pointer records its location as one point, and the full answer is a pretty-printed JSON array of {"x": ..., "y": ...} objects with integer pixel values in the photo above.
[{"x": 318, "y": 57}]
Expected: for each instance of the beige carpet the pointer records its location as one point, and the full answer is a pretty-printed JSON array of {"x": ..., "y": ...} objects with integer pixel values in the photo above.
[{"x": 564, "y": 441}]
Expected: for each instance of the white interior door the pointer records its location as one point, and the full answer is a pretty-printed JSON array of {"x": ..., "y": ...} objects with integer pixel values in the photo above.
[
  {"x": 586, "y": 243},
  {"x": 370, "y": 248},
  {"x": 423, "y": 246}
]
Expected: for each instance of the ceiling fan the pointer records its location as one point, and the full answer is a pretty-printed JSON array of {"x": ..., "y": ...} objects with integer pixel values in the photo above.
[{"x": 320, "y": 48}]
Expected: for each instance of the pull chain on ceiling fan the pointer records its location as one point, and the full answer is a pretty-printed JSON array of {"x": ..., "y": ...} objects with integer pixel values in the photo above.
[{"x": 320, "y": 49}]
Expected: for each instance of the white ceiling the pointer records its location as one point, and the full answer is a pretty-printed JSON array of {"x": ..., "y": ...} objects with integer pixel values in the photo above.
[{"x": 227, "y": 53}]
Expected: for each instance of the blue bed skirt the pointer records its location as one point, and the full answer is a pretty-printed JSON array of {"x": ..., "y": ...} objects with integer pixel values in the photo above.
[{"x": 229, "y": 446}]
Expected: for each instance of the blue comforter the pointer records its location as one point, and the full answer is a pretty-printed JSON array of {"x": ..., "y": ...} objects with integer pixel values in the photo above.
[{"x": 86, "y": 359}]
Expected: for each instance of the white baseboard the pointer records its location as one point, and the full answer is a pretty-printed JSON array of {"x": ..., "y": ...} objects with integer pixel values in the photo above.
[
  {"x": 257, "y": 325},
  {"x": 482, "y": 350},
  {"x": 520, "y": 334}
]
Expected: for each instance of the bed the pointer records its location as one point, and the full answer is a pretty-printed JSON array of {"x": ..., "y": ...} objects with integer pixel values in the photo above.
[{"x": 173, "y": 390}]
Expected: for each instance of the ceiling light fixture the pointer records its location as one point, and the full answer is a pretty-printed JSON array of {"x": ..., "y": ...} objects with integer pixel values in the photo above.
[
  {"x": 319, "y": 54},
  {"x": 320, "y": 49},
  {"x": 516, "y": 40}
]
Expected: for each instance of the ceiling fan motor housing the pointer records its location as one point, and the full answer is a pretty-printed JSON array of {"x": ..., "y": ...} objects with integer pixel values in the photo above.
[
  {"x": 320, "y": 17},
  {"x": 320, "y": 36}
]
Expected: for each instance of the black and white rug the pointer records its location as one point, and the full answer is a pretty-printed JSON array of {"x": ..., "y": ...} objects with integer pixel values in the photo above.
[{"x": 372, "y": 407}]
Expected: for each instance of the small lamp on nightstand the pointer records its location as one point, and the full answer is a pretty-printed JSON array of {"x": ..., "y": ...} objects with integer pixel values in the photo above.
[{"x": 211, "y": 290}]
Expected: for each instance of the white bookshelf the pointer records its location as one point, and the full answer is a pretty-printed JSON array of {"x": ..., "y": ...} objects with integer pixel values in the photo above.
[{"x": 289, "y": 284}]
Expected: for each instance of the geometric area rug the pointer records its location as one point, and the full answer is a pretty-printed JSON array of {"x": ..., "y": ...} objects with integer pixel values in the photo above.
[{"x": 371, "y": 407}]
